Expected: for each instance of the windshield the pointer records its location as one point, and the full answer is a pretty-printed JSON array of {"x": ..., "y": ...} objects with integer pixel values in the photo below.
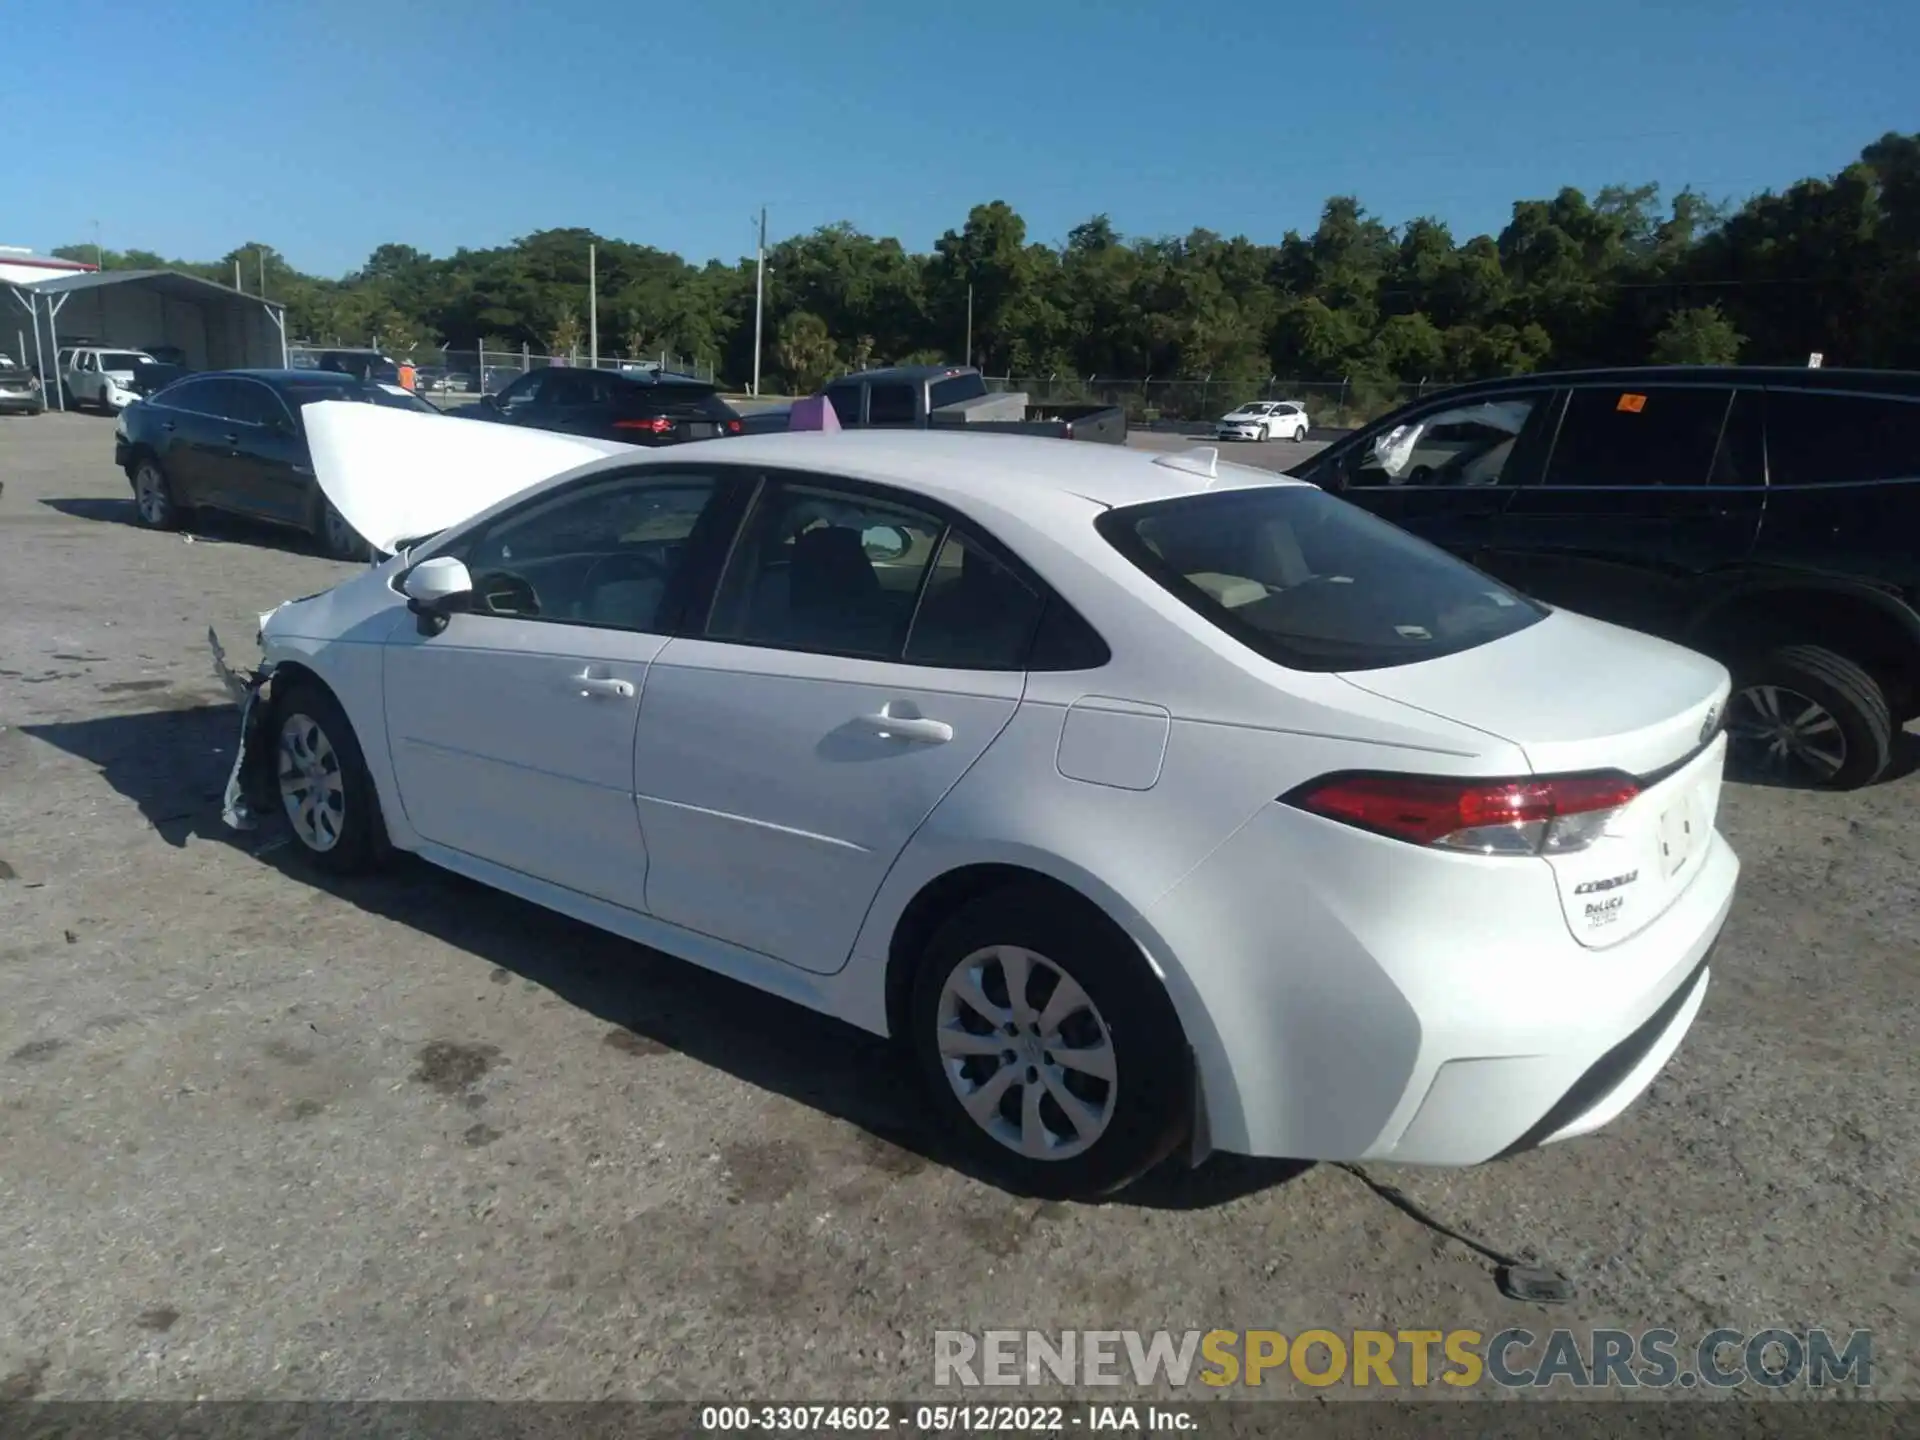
[
  {"x": 1313, "y": 583},
  {"x": 123, "y": 360}
]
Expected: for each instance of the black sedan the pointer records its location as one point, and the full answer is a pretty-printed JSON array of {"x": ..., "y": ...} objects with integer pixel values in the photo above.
[
  {"x": 635, "y": 408},
  {"x": 234, "y": 440}
]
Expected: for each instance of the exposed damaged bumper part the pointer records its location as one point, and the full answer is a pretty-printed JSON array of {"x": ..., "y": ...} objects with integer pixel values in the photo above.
[{"x": 246, "y": 782}]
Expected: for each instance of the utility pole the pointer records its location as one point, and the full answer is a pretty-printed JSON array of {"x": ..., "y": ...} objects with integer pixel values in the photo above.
[
  {"x": 593, "y": 308},
  {"x": 969, "y": 322},
  {"x": 260, "y": 254},
  {"x": 759, "y": 295},
  {"x": 98, "y": 263},
  {"x": 236, "y": 275}
]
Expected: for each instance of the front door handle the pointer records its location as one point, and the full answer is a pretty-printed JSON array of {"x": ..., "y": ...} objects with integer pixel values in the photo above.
[
  {"x": 231, "y": 438},
  {"x": 595, "y": 687},
  {"x": 900, "y": 727}
]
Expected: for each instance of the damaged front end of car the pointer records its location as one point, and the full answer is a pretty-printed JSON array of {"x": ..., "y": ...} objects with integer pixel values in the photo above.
[{"x": 250, "y": 783}]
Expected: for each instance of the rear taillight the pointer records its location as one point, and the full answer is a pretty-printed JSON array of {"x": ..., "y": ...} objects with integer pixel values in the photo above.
[
  {"x": 733, "y": 427},
  {"x": 1539, "y": 815},
  {"x": 659, "y": 425}
]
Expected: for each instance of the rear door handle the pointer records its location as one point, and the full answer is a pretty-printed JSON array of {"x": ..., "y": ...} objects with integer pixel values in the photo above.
[
  {"x": 231, "y": 438},
  {"x": 915, "y": 729},
  {"x": 596, "y": 687}
]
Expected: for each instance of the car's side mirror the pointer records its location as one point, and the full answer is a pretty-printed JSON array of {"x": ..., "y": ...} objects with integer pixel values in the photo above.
[
  {"x": 885, "y": 542},
  {"x": 436, "y": 588}
]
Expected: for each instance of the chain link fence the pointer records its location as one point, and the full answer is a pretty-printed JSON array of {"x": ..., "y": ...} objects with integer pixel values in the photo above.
[
  {"x": 1173, "y": 403},
  {"x": 482, "y": 370}
]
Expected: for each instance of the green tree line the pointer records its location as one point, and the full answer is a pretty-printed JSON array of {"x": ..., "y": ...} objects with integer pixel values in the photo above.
[{"x": 1622, "y": 277}]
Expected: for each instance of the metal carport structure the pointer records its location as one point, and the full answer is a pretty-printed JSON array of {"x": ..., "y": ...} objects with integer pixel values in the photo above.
[{"x": 218, "y": 327}]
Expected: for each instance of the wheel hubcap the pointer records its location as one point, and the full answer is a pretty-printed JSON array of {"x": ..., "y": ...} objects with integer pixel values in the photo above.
[
  {"x": 152, "y": 497},
  {"x": 1027, "y": 1052},
  {"x": 1779, "y": 732},
  {"x": 312, "y": 789}
]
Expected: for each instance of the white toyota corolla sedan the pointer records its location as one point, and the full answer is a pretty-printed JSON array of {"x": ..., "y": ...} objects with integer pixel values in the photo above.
[{"x": 1159, "y": 805}]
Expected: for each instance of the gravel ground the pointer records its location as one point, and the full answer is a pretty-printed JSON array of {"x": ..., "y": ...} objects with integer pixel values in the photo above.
[{"x": 265, "y": 1135}]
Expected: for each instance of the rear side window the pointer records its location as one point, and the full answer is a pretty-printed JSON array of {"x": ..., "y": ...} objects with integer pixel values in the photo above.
[
  {"x": 250, "y": 403},
  {"x": 1313, "y": 583},
  {"x": 1616, "y": 437},
  {"x": 974, "y": 613},
  {"x": 890, "y": 404},
  {"x": 1815, "y": 439}
]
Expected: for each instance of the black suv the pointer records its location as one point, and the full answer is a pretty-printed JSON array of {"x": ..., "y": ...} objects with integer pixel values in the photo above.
[
  {"x": 636, "y": 408},
  {"x": 1767, "y": 517}
]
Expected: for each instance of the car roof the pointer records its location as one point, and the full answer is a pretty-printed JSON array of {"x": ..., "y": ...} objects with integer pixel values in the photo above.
[
  {"x": 1799, "y": 377},
  {"x": 905, "y": 372},
  {"x": 1002, "y": 469}
]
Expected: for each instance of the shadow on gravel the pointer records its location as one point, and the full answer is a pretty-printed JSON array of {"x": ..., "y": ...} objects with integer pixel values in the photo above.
[
  {"x": 212, "y": 525},
  {"x": 174, "y": 764}
]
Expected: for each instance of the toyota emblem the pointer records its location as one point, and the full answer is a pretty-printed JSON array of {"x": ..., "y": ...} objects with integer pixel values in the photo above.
[{"x": 1710, "y": 724}]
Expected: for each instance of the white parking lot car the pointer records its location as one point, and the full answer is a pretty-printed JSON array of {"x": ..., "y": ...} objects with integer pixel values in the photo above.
[
  {"x": 1159, "y": 805},
  {"x": 1264, "y": 420}
]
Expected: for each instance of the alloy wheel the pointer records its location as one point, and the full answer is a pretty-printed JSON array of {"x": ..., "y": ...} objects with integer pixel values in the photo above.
[
  {"x": 1027, "y": 1053},
  {"x": 312, "y": 789},
  {"x": 150, "y": 493},
  {"x": 1780, "y": 733}
]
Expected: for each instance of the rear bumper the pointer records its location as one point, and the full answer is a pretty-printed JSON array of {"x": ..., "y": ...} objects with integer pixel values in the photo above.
[
  {"x": 1347, "y": 1000},
  {"x": 15, "y": 404}
]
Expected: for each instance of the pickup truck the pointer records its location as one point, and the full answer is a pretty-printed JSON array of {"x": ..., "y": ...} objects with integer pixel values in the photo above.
[{"x": 920, "y": 397}]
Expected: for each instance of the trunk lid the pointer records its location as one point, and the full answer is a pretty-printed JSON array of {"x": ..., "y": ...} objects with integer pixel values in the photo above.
[{"x": 1575, "y": 695}]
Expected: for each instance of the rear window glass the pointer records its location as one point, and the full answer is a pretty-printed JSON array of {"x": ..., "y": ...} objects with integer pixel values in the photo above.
[
  {"x": 121, "y": 360},
  {"x": 1313, "y": 583},
  {"x": 956, "y": 388},
  {"x": 689, "y": 401}
]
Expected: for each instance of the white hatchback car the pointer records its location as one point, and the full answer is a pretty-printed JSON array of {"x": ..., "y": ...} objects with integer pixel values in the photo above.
[{"x": 1158, "y": 804}]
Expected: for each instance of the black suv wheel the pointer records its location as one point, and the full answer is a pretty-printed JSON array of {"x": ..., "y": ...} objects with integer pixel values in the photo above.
[{"x": 1803, "y": 714}]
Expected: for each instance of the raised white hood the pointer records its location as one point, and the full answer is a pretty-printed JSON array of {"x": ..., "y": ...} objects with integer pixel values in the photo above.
[{"x": 396, "y": 475}]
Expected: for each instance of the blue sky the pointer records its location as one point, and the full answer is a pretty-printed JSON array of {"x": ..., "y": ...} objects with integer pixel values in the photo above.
[{"x": 326, "y": 127}]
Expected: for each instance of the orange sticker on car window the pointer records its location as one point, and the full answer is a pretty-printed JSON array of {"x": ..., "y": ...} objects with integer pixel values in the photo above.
[{"x": 1632, "y": 404}]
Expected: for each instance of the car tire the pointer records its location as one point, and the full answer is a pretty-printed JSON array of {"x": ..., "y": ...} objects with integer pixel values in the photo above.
[
  {"x": 153, "y": 499},
  {"x": 336, "y": 538},
  {"x": 1127, "y": 1025},
  {"x": 1265, "y": 434},
  {"x": 1806, "y": 714},
  {"x": 320, "y": 775},
  {"x": 1300, "y": 434}
]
